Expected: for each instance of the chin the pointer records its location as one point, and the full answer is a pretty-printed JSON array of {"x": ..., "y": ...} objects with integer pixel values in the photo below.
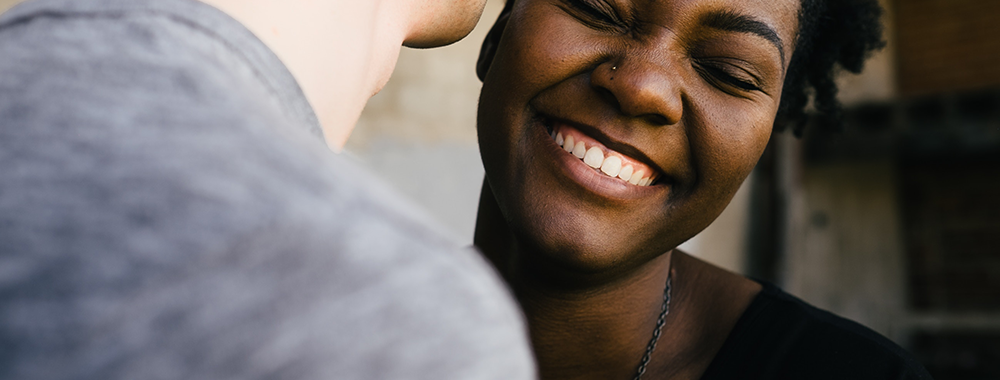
[
  {"x": 560, "y": 241},
  {"x": 452, "y": 21}
]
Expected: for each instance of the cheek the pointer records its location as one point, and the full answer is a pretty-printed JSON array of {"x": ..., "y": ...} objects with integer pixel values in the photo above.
[
  {"x": 729, "y": 140},
  {"x": 543, "y": 46}
]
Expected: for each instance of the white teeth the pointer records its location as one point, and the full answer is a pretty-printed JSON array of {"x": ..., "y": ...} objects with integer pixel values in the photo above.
[
  {"x": 568, "y": 144},
  {"x": 636, "y": 177},
  {"x": 593, "y": 158},
  {"x": 626, "y": 173},
  {"x": 579, "y": 150},
  {"x": 612, "y": 166}
]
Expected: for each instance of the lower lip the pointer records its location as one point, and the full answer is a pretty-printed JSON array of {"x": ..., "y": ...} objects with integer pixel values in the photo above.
[{"x": 579, "y": 173}]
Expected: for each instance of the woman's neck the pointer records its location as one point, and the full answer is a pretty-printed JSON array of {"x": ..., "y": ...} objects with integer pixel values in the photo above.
[
  {"x": 601, "y": 331},
  {"x": 594, "y": 333}
]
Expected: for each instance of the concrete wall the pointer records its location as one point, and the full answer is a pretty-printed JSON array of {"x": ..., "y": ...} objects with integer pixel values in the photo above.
[{"x": 846, "y": 249}]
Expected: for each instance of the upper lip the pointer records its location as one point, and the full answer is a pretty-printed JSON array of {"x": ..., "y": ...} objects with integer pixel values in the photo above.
[{"x": 609, "y": 142}]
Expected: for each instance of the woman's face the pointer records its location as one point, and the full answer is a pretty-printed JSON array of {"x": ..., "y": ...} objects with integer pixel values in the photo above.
[{"x": 669, "y": 103}]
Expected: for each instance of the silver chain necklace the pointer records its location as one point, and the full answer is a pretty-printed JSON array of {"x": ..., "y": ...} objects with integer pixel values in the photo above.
[{"x": 664, "y": 310}]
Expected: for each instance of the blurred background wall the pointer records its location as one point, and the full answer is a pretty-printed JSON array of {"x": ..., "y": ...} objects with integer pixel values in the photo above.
[{"x": 893, "y": 222}]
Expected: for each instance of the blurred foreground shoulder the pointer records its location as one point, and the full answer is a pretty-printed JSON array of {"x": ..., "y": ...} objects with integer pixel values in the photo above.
[{"x": 168, "y": 211}]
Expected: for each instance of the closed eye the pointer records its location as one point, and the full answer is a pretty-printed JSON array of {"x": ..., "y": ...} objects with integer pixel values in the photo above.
[
  {"x": 727, "y": 76},
  {"x": 597, "y": 13}
]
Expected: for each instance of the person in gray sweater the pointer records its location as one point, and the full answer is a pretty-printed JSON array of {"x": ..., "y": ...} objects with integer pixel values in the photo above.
[{"x": 170, "y": 207}]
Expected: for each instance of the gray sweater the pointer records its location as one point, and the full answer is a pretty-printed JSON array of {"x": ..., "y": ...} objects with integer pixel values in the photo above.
[{"x": 168, "y": 210}]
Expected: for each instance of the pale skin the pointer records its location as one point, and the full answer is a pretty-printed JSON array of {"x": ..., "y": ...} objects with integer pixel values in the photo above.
[{"x": 342, "y": 52}]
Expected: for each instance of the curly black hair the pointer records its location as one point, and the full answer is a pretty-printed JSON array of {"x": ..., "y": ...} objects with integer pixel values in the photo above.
[{"x": 833, "y": 35}]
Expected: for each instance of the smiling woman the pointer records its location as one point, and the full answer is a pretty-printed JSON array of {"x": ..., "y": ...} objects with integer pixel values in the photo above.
[{"x": 614, "y": 130}]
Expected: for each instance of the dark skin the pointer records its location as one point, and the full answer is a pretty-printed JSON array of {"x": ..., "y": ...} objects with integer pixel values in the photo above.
[{"x": 688, "y": 88}]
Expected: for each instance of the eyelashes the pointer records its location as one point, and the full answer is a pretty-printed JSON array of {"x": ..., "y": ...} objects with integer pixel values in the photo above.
[
  {"x": 721, "y": 76},
  {"x": 598, "y": 13}
]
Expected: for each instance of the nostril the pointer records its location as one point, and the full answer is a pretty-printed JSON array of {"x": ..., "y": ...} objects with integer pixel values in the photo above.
[
  {"x": 609, "y": 97},
  {"x": 656, "y": 119}
]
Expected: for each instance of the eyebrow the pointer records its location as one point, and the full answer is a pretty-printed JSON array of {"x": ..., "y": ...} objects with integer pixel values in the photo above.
[{"x": 734, "y": 22}]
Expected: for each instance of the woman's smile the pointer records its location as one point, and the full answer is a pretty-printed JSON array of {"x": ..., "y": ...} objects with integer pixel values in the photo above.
[
  {"x": 598, "y": 156},
  {"x": 587, "y": 162}
]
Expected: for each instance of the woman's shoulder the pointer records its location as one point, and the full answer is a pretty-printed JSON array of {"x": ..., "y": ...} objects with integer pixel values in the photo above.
[{"x": 782, "y": 337}]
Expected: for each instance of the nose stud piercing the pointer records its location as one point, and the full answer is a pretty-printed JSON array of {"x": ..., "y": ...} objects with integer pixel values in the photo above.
[{"x": 613, "y": 68}]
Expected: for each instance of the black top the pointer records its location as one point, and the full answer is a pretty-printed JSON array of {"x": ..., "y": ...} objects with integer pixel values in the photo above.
[{"x": 782, "y": 337}]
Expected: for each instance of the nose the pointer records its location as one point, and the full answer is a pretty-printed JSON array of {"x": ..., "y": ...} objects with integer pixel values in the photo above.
[{"x": 644, "y": 86}]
